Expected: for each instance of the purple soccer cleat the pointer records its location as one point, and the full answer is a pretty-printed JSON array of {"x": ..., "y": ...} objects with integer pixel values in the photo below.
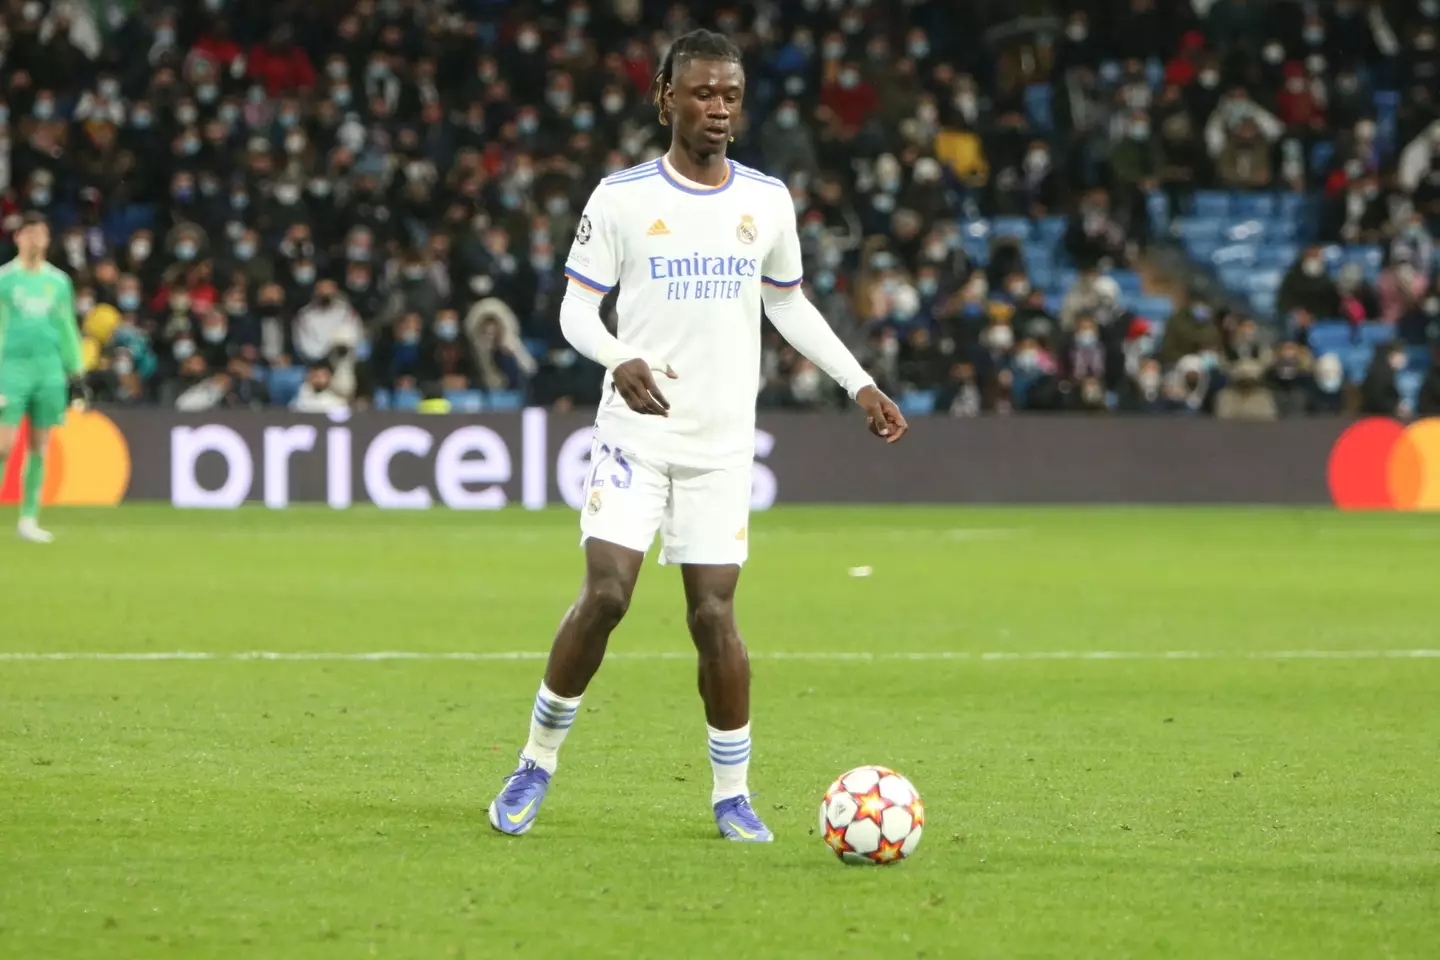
[
  {"x": 514, "y": 810},
  {"x": 738, "y": 821}
]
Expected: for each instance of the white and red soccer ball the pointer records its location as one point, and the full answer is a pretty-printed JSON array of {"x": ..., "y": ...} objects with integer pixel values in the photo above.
[{"x": 872, "y": 815}]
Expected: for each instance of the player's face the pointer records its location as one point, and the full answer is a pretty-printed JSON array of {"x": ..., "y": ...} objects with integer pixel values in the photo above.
[
  {"x": 705, "y": 101},
  {"x": 34, "y": 240}
]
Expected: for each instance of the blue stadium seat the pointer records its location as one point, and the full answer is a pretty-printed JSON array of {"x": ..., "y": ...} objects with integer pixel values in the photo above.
[
  {"x": 1253, "y": 206},
  {"x": 917, "y": 403},
  {"x": 538, "y": 347},
  {"x": 1371, "y": 256},
  {"x": 406, "y": 401},
  {"x": 1040, "y": 106},
  {"x": 1158, "y": 206},
  {"x": 1408, "y": 382},
  {"x": 1357, "y": 361},
  {"x": 1320, "y": 156},
  {"x": 506, "y": 401},
  {"x": 1236, "y": 255},
  {"x": 1053, "y": 303},
  {"x": 1234, "y": 276},
  {"x": 1262, "y": 301},
  {"x": 465, "y": 401},
  {"x": 1419, "y": 358},
  {"x": 1051, "y": 230},
  {"x": 1263, "y": 280},
  {"x": 1154, "y": 308},
  {"x": 1330, "y": 336},
  {"x": 1042, "y": 278},
  {"x": 977, "y": 249},
  {"x": 1064, "y": 279},
  {"x": 1017, "y": 227},
  {"x": 1203, "y": 249},
  {"x": 1279, "y": 254},
  {"x": 382, "y": 400},
  {"x": 1199, "y": 228},
  {"x": 1212, "y": 204},
  {"x": 1377, "y": 333},
  {"x": 285, "y": 384}
]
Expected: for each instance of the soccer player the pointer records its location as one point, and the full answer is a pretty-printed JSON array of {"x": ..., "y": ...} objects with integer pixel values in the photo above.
[
  {"x": 696, "y": 243},
  {"x": 40, "y": 364}
]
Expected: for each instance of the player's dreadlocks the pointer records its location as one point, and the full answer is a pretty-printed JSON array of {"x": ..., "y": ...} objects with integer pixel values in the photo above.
[{"x": 695, "y": 45}]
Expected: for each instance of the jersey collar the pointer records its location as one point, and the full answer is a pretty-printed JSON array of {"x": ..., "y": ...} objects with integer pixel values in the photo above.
[{"x": 690, "y": 186}]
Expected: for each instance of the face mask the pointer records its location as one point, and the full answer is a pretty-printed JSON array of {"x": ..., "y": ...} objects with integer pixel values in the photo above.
[
  {"x": 1019, "y": 289},
  {"x": 84, "y": 305},
  {"x": 183, "y": 349},
  {"x": 787, "y": 117},
  {"x": 584, "y": 120},
  {"x": 529, "y": 41},
  {"x": 40, "y": 197},
  {"x": 919, "y": 49},
  {"x": 244, "y": 250},
  {"x": 123, "y": 367},
  {"x": 1202, "y": 312},
  {"x": 288, "y": 195},
  {"x": 185, "y": 193},
  {"x": 1209, "y": 79},
  {"x": 414, "y": 273},
  {"x": 557, "y": 206},
  {"x": 207, "y": 93},
  {"x": 1314, "y": 36},
  {"x": 559, "y": 99},
  {"x": 294, "y": 143},
  {"x": 129, "y": 300},
  {"x": 928, "y": 286},
  {"x": 527, "y": 124},
  {"x": 1432, "y": 307},
  {"x": 1086, "y": 339},
  {"x": 1027, "y": 361},
  {"x": 357, "y": 252},
  {"x": 1140, "y": 131},
  {"x": 849, "y": 80},
  {"x": 185, "y": 251},
  {"x": 852, "y": 25},
  {"x": 235, "y": 309},
  {"x": 613, "y": 104},
  {"x": 44, "y": 110},
  {"x": 1077, "y": 33},
  {"x": 834, "y": 51},
  {"x": 1313, "y": 267},
  {"x": 410, "y": 338},
  {"x": 324, "y": 299},
  {"x": 213, "y": 334},
  {"x": 575, "y": 46},
  {"x": 447, "y": 330},
  {"x": 305, "y": 276},
  {"x": 109, "y": 89}
]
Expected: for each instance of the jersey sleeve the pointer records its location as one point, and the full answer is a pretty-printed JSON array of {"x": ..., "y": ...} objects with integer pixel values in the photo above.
[
  {"x": 594, "y": 262},
  {"x": 66, "y": 329},
  {"x": 784, "y": 267}
]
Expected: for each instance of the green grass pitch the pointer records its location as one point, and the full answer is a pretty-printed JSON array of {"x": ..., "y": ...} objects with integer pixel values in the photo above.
[{"x": 1221, "y": 790}]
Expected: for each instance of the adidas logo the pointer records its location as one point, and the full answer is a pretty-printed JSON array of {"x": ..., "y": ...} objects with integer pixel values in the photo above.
[{"x": 658, "y": 229}]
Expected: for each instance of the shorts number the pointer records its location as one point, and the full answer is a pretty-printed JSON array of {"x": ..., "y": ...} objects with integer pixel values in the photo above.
[{"x": 621, "y": 480}]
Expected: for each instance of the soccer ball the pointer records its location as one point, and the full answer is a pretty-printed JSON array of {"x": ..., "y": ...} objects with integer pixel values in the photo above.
[{"x": 872, "y": 815}]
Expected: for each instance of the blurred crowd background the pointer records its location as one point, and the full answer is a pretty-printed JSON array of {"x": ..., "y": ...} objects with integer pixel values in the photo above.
[{"x": 1195, "y": 207}]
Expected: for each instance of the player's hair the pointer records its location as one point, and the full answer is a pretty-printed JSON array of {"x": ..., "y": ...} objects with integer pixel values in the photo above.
[
  {"x": 34, "y": 218},
  {"x": 695, "y": 45}
]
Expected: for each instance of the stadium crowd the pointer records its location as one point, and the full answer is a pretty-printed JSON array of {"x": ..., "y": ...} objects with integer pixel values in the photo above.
[{"x": 336, "y": 204}]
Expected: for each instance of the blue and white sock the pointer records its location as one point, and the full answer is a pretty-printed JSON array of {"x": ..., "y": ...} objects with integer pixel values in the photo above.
[
  {"x": 730, "y": 760},
  {"x": 549, "y": 723}
]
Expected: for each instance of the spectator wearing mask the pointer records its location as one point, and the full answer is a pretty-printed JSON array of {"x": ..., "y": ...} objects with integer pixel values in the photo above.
[
  {"x": 1327, "y": 393},
  {"x": 449, "y": 359},
  {"x": 1308, "y": 289},
  {"x": 1189, "y": 333},
  {"x": 960, "y": 394},
  {"x": 317, "y": 394},
  {"x": 1085, "y": 358},
  {"x": 1188, "y": 388},
  {"x": 1358, "y": 299},
  {"x": 1144, "y": 392},
  {"x": 327, "y": 328},
  {"x": 786, "y": 142},
  {"x": 1289, "y": 379},
  {"x": 1402, "y": 287}
]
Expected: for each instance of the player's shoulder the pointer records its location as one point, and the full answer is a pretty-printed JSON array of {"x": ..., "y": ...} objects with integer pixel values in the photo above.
[
  {"x": 624, "y": 179},
  {"x": 8, "y": 269},
  {"x": 751, "y": 175},
  {"x": 55, "y": 273}
]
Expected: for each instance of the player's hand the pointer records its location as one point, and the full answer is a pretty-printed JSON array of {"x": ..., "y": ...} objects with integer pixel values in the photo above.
[
  {"x": 2, "y": 401},
  {"x": 883, "y": 417},
  {"x": 636, "y": 384},
  {"x": 79, "y": 395}
]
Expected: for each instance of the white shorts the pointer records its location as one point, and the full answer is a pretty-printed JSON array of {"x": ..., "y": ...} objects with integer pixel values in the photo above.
[{"x": 702, "y": 516}]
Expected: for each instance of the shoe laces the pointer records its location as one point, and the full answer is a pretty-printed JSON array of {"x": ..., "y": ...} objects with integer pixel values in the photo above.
[{"x": 519, "y": 783}]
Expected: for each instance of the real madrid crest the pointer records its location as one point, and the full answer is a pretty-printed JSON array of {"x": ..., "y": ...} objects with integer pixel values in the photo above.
[
  {"x": 593, "y": 507},
  {"x": 746, "y": 232},
  {"x": 582, "y": 232}
]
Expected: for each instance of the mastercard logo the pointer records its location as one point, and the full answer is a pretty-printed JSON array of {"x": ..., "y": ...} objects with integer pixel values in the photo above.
[
  {"x": 1380, "y": 464},
  {"x": 87, "y": 464}
]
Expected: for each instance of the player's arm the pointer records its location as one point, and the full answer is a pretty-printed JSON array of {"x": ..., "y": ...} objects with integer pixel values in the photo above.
[
  {"x": 62, "y": 315},
  {"x": 591, "y": 271},
  {"x": 802, "y": 325}
]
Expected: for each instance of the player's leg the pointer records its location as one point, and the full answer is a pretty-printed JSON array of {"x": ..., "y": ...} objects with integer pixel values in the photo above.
[
  {"x": 47, "y": 410},
  {"x": 13, "y": 401},
  {"x": 707, "y": 534},
  {"x": 625, "y": 502}
]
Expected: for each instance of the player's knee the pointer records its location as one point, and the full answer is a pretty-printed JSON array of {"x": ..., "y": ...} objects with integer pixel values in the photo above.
[
  {"x": 606, "y": 599},
  {"x": 712, "y": 618}
]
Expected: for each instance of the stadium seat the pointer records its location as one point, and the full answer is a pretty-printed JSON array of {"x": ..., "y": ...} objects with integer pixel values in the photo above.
[
  {"x": 465, "y": 401},
  {"x": 1262, "y": 301},
  {"x": 1253, "y": 206},
  {"x": 285, "y": 384},
  {"x": 1017, "y": 227},
  {"x": 1357, "y": 361},
  {"x": 1419, "y": 358},
  {"x": 382, "y": 400},
  {"x": 1281, "y": 255},
  {"x": 1199, "y": 228},
  {"x": 1203, "y": 250},
  {"x": 1154, "y": 308},
  {"x": 1212, "y": 204},
  {"x": 1330, "y": 336},
  {"x": 1236, "y": 254},
  {"x": 1128, "y": 281},
  {"x": 1051, "y": 230},
  {"x": 917, "y": 403},
  {"x": 1234, "y": 276},
  {"x": 1158, "y": 206},
  {"x": 1377, "y": 333},
  {"x": 1408, "y": 383},
  {"x": 506, "y": 401},
  {"x": 406, "y": 401},
  {"x": 1040, "y": 106}
]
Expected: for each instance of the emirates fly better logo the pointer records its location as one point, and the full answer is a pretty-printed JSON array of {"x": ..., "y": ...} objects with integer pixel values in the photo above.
[{"x": 1381, "y": 464}]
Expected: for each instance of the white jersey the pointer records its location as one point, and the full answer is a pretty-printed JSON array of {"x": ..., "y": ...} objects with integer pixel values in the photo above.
[{"x": 689, "y": 261}]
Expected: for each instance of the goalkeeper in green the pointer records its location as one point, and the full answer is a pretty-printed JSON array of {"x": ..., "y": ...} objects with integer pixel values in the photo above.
[{"x": 40, "y": 366}]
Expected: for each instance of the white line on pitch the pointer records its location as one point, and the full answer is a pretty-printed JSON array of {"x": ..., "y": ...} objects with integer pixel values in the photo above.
[{"x": 839, "y": 656}]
